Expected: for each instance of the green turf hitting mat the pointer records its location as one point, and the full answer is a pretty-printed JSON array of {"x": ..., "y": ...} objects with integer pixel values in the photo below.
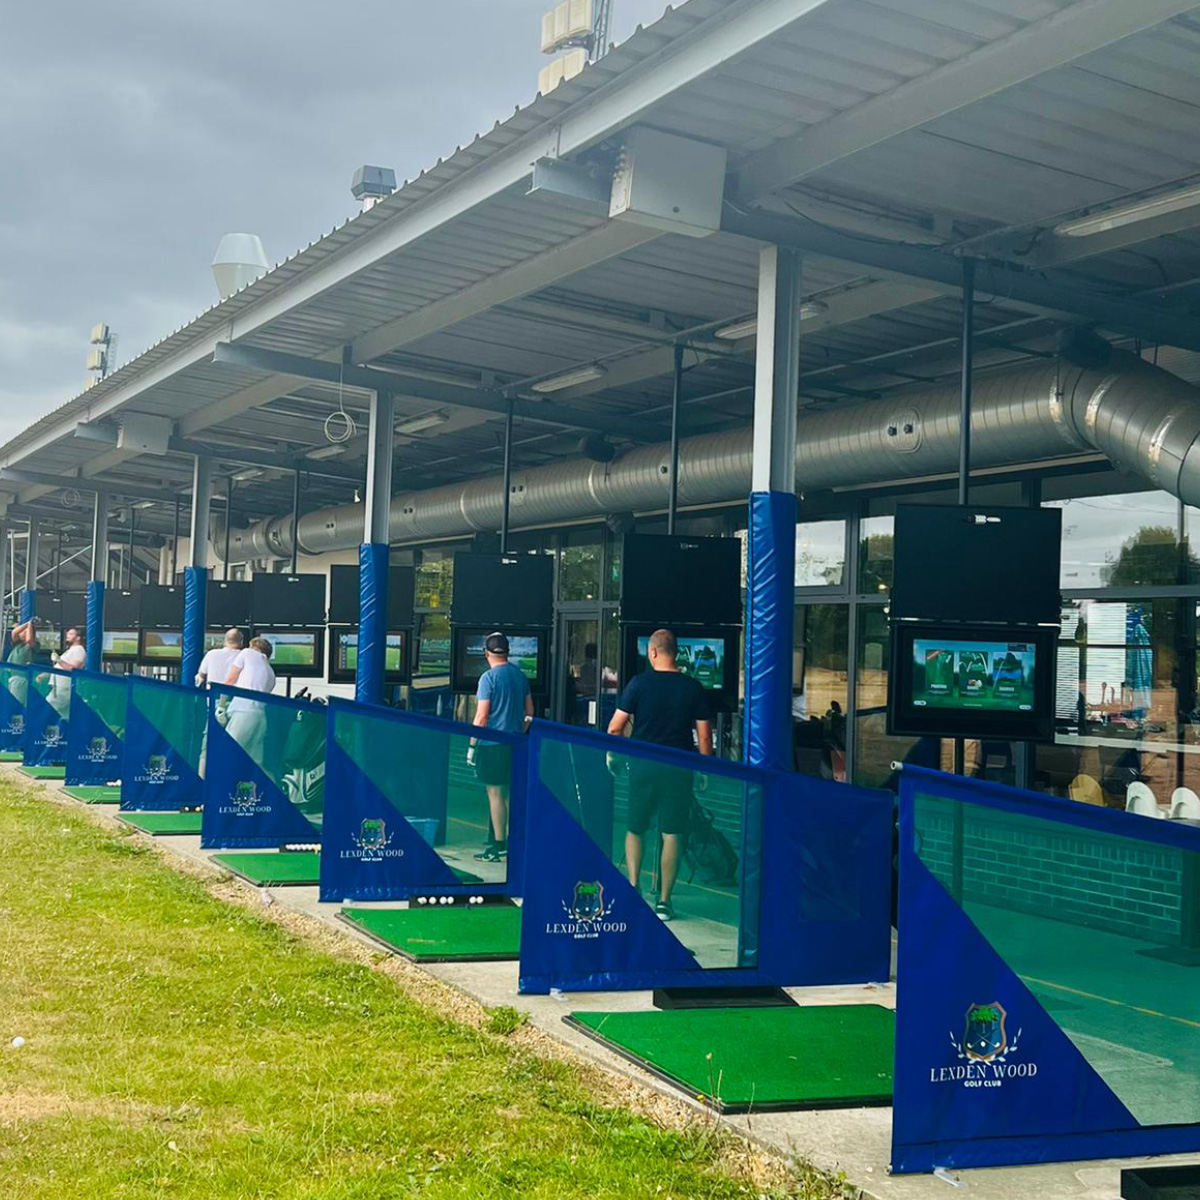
[
  {"x": 828, "y": 1056},
  {"x": 274, "y": 868},
  {"x": 44, "y": 772},
  {"x": 10, "y": 756},
  {"x": 444, "y": 933},
  {"x": 164, "y": 824},
  {"x": 94, "y": 794}
]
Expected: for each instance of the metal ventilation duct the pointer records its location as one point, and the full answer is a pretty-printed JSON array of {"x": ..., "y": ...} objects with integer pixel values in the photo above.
[{"x": 1146, "y": 421}]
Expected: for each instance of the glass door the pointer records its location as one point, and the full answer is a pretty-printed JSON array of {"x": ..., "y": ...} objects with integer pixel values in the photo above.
[{"x": 587, "y": 672}]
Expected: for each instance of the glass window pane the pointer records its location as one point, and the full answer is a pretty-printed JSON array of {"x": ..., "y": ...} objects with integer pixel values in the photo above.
[
  {"x": 610, "y": 664},
  {"x": 1099, "y": 927},
  {"x": 821, "y": 689},
  {"x": 433, "y": 644},
  {"x": 435, "y": 579},
  {"x": 1120, "y": 541},
  {"x": 579, "y": 565},
  {"x": 875, "y": 554},
  {"x": 612, "y": 580},
  {"x": 874, "y": 750},
  {"x": 820, "y": 553}
]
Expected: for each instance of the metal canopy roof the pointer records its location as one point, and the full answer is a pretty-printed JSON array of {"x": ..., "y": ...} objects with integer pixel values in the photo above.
[{"x": 959, "y": 126}]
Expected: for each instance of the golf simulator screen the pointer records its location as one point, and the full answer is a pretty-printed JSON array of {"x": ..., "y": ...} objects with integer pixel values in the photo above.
[
  {"x": 160, "y": 647},
  {"x": 343, "y": 656},
  {"x": 710, "y": 657},
  {"x": 120, "y": 645},
  {"x": 528, "y": 649},
  {"x": 973, "y": 682},
  {"x": 299, "y": 653}
]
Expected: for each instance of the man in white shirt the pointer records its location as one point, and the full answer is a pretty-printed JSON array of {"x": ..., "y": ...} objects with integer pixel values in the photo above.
[
  {"x": 73, "y": 657},
  {"x": 215, "y": 665},
  {"x": 251, "y": 671}
]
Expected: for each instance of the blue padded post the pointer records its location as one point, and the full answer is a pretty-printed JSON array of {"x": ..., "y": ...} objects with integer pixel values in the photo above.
[
  {"x": 95, "y": 625},
  {"x": 770, "y": 600},
  {"x": 195, "y": 594},
  {"x": 372, "y": 622},
  {"x": 28, "y": 604}
]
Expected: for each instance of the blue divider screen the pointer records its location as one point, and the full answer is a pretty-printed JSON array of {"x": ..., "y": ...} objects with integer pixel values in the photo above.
[
  {"x": 407, "y": 806},
  {"x": 14, "y": 690},
  {"x": 164, "y": 742},
  {"x": 47, "y": 717},
  {"x": 264, "y": 776},
  {"x": 781, "y": 879},
  {"x": 96, "y": 737},
  {"x": 1047, "y": 1006}
]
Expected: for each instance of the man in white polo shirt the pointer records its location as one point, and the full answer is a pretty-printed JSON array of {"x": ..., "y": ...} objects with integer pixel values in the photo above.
[
  {"x": 215, "y": 665},
  {"x": 251, "y": 671},
  {"x": 73, "y": 658}
]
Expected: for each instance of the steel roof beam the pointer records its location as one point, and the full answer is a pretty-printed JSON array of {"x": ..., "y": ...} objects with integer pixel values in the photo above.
[
  {"x": 427, "y": 389},
  {"x": 133, "y": 491},
  {"x": 1061, "y": 38},
  {"x": 261, "y": 458},
  {"x": 1006, "y": 281}
]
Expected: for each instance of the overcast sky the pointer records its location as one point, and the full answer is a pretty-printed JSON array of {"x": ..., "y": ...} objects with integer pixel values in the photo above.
[{"x": 133, "y": 135}]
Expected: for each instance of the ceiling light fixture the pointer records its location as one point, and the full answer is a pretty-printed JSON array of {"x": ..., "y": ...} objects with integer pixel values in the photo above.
[
  {"x": 809, "y": 310},
  {"x": 1131, "y": 214},
  {"x": 570, "y": 378},
  {"x": 421, "y": 424},
  {"x": 327, "y": 451}
]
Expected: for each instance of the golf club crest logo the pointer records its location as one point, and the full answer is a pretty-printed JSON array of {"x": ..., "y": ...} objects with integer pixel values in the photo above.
[
  {"x": 52, "y": 735},
  {"x": 245, "y": 800},
  {"x": 373, "y": 842},
  {"x": 157, "y": 771},
  {"x": 588, "y": 911},
  {"x": 97, "y": 750},
  {"x": 983, "y": 1049},
  {"x": 16, "y": 725}
]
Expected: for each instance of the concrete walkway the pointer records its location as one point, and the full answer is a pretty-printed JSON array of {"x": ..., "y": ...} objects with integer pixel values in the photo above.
[{"x": 855, "y": 1142}]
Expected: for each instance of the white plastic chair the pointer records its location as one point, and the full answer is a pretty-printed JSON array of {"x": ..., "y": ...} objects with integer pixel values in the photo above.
[
  {"x": 1140, "y": 799},
  {"x": 1185, "y": 805}
]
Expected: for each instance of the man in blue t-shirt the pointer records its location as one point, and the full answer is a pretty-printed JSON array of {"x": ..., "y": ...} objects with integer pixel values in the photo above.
[
  {"x": 665, "y": 705},
  {"x": 504, "y": 703}
]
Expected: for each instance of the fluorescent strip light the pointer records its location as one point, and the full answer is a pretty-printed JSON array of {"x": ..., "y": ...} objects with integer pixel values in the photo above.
[
  {"x": 420, "y": 424},
  {"x": 1131, "y": 214},
  {"x": 744, "y": 329},
  {"x": 326, "y": 452},
  {"x": 570, "y": 379}
]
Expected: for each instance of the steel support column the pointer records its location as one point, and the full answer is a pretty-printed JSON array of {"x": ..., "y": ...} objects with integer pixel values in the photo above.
[
  {"x": 676, "y": 401},
  {"x": 506, "y": 508},
  {"x": 770, "y": 590},
  {"x": 5, "y": 554},
  {"x": 373, "y": 553},
  {"x": 95, "y": 588},
  {"x": 195, "y": 576},
  {"x": 29, "y": 595}
]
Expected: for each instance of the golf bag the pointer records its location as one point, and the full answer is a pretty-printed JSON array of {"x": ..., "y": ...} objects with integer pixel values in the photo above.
[{"x": 708, "y": 852}]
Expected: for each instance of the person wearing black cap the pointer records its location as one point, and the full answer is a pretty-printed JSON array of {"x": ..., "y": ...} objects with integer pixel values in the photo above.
[{"x": 503, "y": 702}]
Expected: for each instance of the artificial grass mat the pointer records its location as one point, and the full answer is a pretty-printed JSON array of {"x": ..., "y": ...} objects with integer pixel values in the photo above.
[
  {"x": 827, "y": 1056},
  {"x": 44, "y": 772},
  {"x": 94, "y": 794},
  {"x": 163, "y": 824},
  {"x": 274, "y": 868},
  {"x": 11, "y": 756},
  {"x": 458, "y": 933}
]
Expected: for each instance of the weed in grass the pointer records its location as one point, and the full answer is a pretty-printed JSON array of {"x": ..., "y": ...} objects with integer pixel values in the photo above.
[{"x": 504, "y": 1019}]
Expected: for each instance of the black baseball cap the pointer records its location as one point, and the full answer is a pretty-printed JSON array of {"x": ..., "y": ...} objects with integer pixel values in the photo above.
[{"x": 496, "y": 643}]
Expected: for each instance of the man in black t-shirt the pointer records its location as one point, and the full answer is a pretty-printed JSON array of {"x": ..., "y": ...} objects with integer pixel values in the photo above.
[{"x": 665, "y": 706}]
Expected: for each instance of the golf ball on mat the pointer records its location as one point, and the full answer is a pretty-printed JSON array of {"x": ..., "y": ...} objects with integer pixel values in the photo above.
[{"x": 18, "y": 1042}]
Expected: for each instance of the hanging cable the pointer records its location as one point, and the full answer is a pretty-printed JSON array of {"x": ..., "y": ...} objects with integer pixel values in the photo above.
[{"x": 349, "y": 428}]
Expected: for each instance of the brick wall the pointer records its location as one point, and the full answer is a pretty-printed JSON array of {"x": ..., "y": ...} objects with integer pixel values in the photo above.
[{"x": 1091, "y": 879}]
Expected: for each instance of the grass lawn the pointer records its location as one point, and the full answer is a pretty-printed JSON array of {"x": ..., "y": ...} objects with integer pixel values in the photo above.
[{"x": 178, "y": 1045}]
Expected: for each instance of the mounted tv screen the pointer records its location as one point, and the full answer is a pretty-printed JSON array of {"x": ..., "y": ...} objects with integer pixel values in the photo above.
[
  {"x": 343, "y": 656},
  {"x": 214, "y": 639},
  {"x": 972, "y": 681},
  {"x": 160, "y": 647},
  {"x": 119, "y": 645},
  {"x": 74, "y": 611},
  {"x": 709, "y": 656},
  {"x": 503, "y": 591},
  {"x": 288, "y": 601},
  {"x": 344, "y": 596},
  {"x": 48, "y": 638},
  {"x": 122, "y": 609},
  {"x": 298, "y": 653},
  {"x": 674, "y": 580},
  {"x": 528, "y": 649},
  {"x": 160, "y": 607},
  {"x": 227, "y": 604}
]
